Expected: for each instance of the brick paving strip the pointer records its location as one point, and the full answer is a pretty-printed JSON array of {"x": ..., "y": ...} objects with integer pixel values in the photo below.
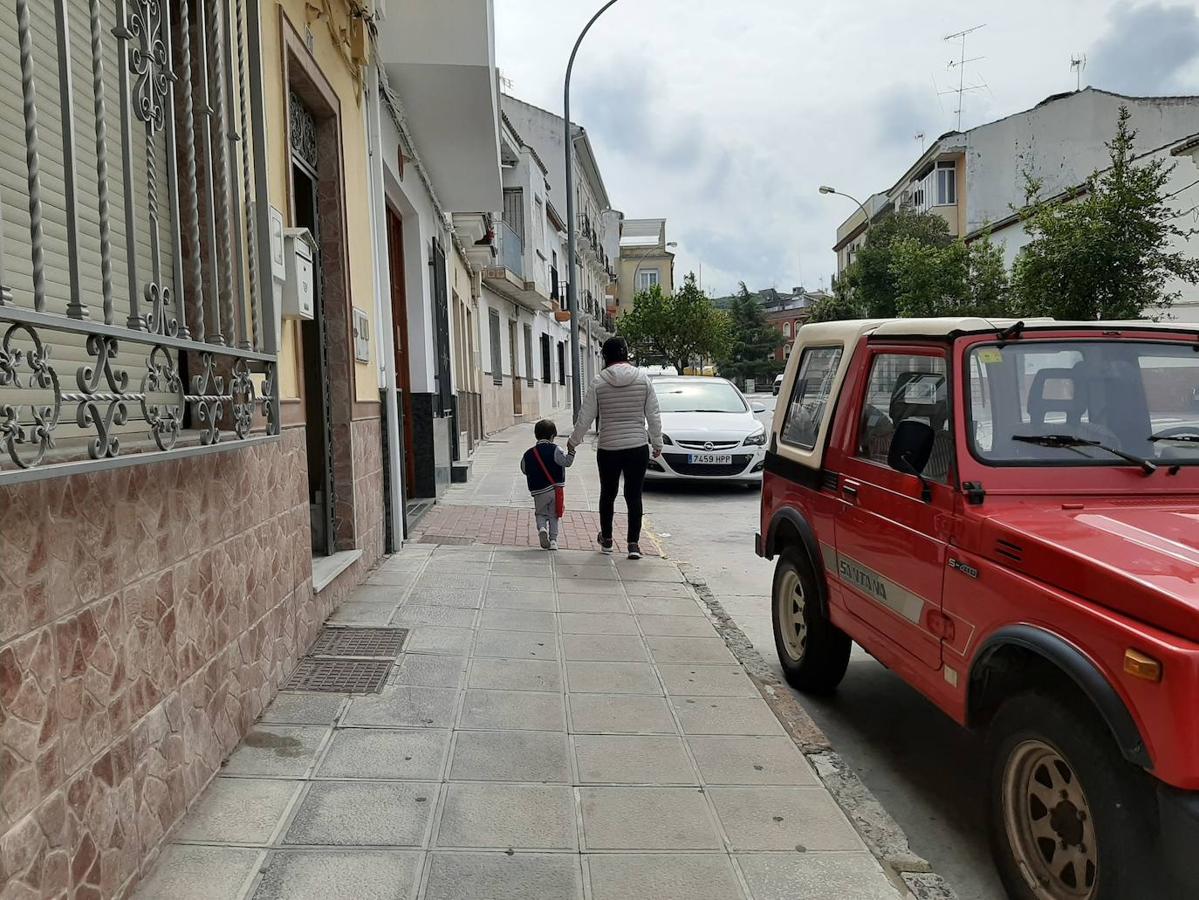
[{"x": 559, "y": 725}]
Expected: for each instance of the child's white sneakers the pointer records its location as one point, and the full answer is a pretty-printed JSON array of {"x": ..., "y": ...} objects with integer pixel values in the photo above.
[
  {"x": 553, "y": 545},
  {"x": 543, "y": 534}
]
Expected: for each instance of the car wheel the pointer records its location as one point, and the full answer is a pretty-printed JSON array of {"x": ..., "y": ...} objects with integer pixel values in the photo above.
[
  {"x": 1068, "y": 818},
  {"x": 812, "y": 650}
]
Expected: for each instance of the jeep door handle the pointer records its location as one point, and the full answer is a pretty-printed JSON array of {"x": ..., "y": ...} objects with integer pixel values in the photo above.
[{"x": 850, "y": 489}]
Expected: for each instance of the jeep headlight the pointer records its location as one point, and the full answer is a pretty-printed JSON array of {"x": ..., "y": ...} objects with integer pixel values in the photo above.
[{"x": 757, "y": 439}]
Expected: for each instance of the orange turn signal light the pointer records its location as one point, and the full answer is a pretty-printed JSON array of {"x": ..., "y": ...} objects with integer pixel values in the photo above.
[{"x": 1138, "y": 665}]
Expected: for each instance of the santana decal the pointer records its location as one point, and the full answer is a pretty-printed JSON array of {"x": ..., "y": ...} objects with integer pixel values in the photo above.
[{"x": 882, "y": 590}]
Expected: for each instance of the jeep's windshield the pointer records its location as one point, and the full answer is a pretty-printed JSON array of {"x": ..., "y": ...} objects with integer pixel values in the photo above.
[{"x": 1133, "y": 396}]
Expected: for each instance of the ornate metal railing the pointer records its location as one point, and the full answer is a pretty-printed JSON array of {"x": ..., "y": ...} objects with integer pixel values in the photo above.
[{"x": 144, "y": 328}]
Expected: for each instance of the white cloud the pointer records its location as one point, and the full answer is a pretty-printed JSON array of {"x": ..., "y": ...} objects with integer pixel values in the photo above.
[{"x": 726, "y": 116}]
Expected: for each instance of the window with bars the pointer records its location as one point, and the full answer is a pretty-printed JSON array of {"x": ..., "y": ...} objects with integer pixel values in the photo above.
[{"x": 136, "y": 316}]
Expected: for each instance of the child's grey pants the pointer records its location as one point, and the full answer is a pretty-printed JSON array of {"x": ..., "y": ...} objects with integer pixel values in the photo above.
[{"x": 544, "y": 507}]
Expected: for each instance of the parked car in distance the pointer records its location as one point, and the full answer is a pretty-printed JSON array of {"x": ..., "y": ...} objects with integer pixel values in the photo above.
[
  {"x": 709, "y": 431},
  {"x": 1006, "y": 514},
  {"x": 778, "y": 382}
]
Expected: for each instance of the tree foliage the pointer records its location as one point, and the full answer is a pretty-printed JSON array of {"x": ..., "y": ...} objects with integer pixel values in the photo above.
[
  {"x": 871, "y": 277},
  {"x": 752, "y": 341},
  {"x": 1105, "y": 253},
  {"x": 955, "y": 279},
  {"x": 838, "y": 306},
  {"x": 675, "y": 328}
]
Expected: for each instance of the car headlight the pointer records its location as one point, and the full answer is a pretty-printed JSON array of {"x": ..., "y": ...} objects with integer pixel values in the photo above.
[
  {"x": 755, "y": 440},
  {"x": 666, "y": 440}
]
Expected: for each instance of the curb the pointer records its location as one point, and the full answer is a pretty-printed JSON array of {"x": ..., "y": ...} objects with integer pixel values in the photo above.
[{"x": 880, "y": 832}]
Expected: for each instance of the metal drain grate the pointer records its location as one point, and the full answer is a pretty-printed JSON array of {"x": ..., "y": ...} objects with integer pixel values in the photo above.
[
  {"x": 342, "y": 676},
  {"x": 371, "y": 643}
]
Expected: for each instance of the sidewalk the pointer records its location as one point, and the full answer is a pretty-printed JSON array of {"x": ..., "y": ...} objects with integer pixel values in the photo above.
[{"x": 557, "y": 725}]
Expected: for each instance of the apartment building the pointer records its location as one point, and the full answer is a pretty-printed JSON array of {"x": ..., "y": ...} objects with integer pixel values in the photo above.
[
  {"x": 646, "y": 259},
  {"x": 975, "y": 179}
]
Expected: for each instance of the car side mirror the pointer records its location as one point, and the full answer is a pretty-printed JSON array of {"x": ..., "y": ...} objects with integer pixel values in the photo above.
[
  {"x": 911, "y": 448},
  {"x": 758, "y": 407}
]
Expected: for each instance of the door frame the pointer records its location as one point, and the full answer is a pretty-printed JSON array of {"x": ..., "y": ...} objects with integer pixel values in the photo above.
[
  {"x": 397, "y": 273},
  {"x": 513, "y": 354}
]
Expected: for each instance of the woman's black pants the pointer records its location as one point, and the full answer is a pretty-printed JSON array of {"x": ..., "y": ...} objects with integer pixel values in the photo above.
[{"x": 630, "y": 463}]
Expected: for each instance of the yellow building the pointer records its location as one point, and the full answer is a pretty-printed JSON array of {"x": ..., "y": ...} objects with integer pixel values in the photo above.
[{"x": 646, "y": 259}]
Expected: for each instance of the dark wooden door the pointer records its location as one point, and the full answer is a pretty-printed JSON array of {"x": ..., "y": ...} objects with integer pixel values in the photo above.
[{"x": 399, "y": 321}]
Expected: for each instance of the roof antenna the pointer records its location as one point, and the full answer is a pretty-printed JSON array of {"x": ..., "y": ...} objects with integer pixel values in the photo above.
[
  {"x": 960, "y": 64},
  {"x": 1078, "y": 62},
  {"x": 919, "y": 136}
]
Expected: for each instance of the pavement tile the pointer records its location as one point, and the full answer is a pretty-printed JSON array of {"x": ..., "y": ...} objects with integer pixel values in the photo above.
[
  {"x": 542, "y": 601},
  {"x": 598, "y": 572},
  {"x": 666, "y": 606},
  {"x": 238, "y": 811},
  {"x": 303, "y": 708},
  {"x": 340, "y": 875},
  {"x": 278, "y": 750},
  {"x": 526, "y": 816},
  {"x": 377, "y": 593},
  {"x": 402, "y": 563},
  {"x": 632, "y": 759},
  {"x": 404, "y": 705},
  {"x": 815, "y": 876},
  {"x": 440, "y": 639},
  {"x": 515, "y": 675},
  {"x": 740, "y": 759},
  {"x": 518, "y": 620},
  {"x": 660, "y": 590},
  {"x": 604, "y": 648},
  {"x": 531, "y": 756},
  {"x": 592, "y": 603},
  {"x": 395, "y": 579},
  {"x": 412, "y": 614},
  {"x": 440, "y": 579},
  {"x": 647, "y": 818},
  {"x": 634, "y": 570},
  {"x": 612, "y": 678},
  {"x": 199, "y": 873},
  {"x": 662, "y": 876},
  {"x": 516, "y": 645},
  {"x": 521, "y": 876},
  {"x": 525, "y": 568},
  {"x": 725, "y": 715},
  {"x": 620, "y": 714},
  {"x": 452, "y": 597},
  {"x": 698, "y": 651},
  {"x": 707, "y": 681},
  {"x": 526, "y": 710},
  {"x": 519, "y": 583},
  {"x": 428, "y": 670},
  {"x": 415, "y": 755},
  {"x": 676, "y": 626},
  {"x": 363, "y": 814},
  {"x": 783, "y": 818},
  {"x": 359, "y": 612},
  {"x": 601, "y": 586},
  {"x": 596, "y": 623}
]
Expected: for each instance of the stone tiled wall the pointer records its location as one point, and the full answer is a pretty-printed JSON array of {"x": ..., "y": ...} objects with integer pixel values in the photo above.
[
  {"x": 368, "y": 488},
  {"x": 147, "y": 615}
]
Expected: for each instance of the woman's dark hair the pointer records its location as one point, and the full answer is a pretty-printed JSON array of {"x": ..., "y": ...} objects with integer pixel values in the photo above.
[
  {"x": 545, "y": 430},
  {"x": 615, "y": 350}
]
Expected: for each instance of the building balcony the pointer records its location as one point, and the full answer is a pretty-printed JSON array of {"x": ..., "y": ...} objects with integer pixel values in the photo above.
[
  {"x": 440, "y": 61},
  {"x": 508, "y": 278}
]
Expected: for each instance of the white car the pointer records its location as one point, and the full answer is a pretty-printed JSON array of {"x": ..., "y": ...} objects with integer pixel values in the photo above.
[{"x": 709, "y": 431}]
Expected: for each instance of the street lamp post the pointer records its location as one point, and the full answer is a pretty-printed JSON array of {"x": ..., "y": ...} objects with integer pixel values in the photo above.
[
  {"x": 825, "y": 189},
  {"x": 572, "y": 290}
]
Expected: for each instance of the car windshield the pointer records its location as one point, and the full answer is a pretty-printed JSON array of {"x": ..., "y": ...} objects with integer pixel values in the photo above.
[
  {"x": 700, "y": 395},
  {"x": 1065, "y": 403}
]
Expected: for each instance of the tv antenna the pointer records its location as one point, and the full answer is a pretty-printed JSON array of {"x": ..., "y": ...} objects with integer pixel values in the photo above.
[
  {"x": 960, "y": 64},
  {"x": 1078, "y": 62},
  {"x": 919, "y": 136}
]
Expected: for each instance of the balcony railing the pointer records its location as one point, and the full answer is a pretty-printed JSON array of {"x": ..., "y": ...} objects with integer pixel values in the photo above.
[
  {"x": 512, "y": 250},
  {"x": 137, "y": 319}
]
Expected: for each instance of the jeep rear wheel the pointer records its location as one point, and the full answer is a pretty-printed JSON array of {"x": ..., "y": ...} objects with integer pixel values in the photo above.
[
  {"x": 812, "y": 650},
  {"x": 1066, "y": 808}
]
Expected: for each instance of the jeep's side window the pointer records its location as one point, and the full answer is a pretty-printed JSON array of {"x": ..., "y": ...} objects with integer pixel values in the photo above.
[
  {"x": 817, "y": 369},
  {"x": 905, "y": 387}
]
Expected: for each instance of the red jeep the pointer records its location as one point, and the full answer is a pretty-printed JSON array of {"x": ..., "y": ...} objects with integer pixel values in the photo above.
[{"x": 1007, "y": 515}]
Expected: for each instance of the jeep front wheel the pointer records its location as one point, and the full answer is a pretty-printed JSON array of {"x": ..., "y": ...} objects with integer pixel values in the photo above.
[
  {"x": 812, "y": 650},
  {"x": 1066, "y": 821}
]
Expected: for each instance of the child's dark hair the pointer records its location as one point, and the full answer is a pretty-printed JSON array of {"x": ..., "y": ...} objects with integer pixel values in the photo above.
[{"x": 545, "y": 430}]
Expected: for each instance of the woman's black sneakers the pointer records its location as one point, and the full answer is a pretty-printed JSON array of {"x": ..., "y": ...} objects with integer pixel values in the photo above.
[
  {"x": 634, "y": 551},
  {"x": 605, "y": 543}
]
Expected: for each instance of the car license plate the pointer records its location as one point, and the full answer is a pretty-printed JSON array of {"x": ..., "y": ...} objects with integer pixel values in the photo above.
[{"x": 710, "y": 459}]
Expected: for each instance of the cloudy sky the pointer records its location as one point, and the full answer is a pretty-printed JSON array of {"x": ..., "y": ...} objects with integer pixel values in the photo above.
[{"x": 725, "y": 116}]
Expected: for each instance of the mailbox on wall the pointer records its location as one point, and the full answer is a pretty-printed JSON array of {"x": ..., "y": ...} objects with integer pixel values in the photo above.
[{"x": 299, "y": 287}]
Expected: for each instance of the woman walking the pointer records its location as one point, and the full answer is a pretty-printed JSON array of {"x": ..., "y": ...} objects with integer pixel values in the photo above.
[{"x": 629, "y": 425}]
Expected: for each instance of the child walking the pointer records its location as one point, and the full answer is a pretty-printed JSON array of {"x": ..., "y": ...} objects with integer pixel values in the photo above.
[{"x": 544, "y": 465}]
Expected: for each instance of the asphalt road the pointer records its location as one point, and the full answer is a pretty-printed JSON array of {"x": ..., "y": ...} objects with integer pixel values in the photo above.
[{"x": 925, "y": 770}]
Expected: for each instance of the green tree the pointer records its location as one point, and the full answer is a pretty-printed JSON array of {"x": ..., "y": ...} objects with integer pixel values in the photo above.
[
  {"x": 837, "y": 306},
  {"x": 752, "y": 341},
  {"x": 675, "y": 329},
  {"x": 951, "y": 280},
  {"x": 1103, "y": 252},
  {"x": 871, "y": 276}
]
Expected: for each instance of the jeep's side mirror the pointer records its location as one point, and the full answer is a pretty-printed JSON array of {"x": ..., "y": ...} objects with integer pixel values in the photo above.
[
  {"x": 758, "y": 407},
  {"x": 911, "y": 448}
]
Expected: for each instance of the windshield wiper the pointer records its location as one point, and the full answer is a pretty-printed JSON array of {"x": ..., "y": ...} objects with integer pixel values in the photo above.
[
  {"x": 1073, "y": 442},
  {"x": 1186, "y": 438}
]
